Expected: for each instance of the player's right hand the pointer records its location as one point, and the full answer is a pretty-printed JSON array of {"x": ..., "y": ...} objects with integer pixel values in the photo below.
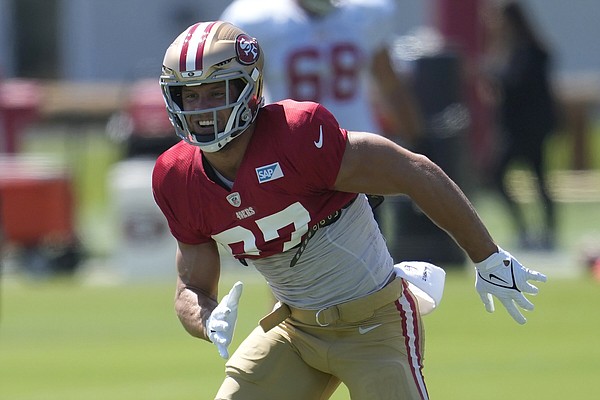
[
  {"x": 502, "y": 276},
  {"x": 221, "y": 322}
]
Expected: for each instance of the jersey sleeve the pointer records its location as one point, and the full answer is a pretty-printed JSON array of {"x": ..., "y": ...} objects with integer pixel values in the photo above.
[
  {"x": 320, "y": 144},
  {"x": 171, "y": 196}
]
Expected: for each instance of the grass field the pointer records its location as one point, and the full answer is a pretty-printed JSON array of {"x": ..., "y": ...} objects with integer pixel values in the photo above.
[
  {"x": 71, "y": 340},
  {"x": 60, "y": 340}
]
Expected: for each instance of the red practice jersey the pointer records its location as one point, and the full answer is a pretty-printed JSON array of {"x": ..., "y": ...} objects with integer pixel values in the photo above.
[{"x": 284, "y": 184}]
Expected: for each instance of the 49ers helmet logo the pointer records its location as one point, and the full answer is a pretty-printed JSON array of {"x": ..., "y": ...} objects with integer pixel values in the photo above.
[{"x": 247, "y": 49}]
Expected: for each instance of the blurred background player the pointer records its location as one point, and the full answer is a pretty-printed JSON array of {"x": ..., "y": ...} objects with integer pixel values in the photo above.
[
  {"x": 519, "y": 88},
  {"x": 334, "y": 53}
]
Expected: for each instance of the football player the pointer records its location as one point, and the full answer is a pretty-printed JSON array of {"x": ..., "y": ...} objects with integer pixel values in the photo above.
[
  {"x": 335, "y": 53},
  {"x": 279, "y": 186}
]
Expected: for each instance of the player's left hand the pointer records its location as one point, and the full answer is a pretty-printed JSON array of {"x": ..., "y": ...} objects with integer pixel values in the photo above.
[
  {"x": 501, "y": 275},
  {"x": 221, "y": 322}
]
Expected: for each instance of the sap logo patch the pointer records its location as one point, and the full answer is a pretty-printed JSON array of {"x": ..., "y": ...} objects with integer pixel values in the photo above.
[{"x": 269, "y": 172}]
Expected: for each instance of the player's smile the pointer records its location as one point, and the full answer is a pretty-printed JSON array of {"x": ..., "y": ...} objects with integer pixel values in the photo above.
[
  {"x": 204, "y": 97},
  {"x": 201, "y": 125}
]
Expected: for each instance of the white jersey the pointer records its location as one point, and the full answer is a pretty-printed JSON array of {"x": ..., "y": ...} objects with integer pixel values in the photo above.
[
  {"x": 350, "y": 252},
  {"x": 326, "y": 60}
]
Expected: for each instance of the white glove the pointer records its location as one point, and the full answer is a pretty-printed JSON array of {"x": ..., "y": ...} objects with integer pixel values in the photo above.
[
  {"x": 503, "y": 276},
  {"x": 221, "y": 322}
]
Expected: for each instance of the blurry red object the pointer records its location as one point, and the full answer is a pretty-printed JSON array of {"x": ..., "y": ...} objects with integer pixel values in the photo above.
[
  {"x": 146, "y": 107},
  {"x": 20, "y": 101},
  {"x": 36, "y": 201}
]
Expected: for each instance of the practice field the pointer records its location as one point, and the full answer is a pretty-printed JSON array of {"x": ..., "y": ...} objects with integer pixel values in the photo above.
[
  {"x": 74, "y": 340},
  {"x": 60, "y": 340}
]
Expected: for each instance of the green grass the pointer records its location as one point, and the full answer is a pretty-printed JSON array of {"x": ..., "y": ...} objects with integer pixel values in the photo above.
[
  {"x": 554, "y": 356},
  {"x": 60, "y": 340},
  {"x": 560, "y": 149},
  {"x": 63, "y": 339}
]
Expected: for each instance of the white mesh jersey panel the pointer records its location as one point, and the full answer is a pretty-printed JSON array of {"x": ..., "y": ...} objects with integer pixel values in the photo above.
[{"x": 342, "y": 262}]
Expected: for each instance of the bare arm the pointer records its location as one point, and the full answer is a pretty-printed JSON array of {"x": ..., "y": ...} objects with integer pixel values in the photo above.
[
  {"x": 373, "y": 164},
  {"x": 198, "y": 270}
]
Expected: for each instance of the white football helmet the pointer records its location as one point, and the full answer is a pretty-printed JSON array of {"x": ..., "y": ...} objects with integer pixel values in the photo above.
[{"x": 213, "y": 52}]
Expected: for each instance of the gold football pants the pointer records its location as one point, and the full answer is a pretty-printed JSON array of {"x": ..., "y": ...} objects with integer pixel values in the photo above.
[{"x": 378, "y": 358}]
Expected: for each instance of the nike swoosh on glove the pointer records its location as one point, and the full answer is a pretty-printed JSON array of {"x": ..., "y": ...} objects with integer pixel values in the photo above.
[
  {"x": 221, "y": 322},
  {"x": 502, "y": 276}
]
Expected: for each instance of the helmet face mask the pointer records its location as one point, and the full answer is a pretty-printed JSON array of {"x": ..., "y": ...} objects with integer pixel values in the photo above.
[{"x": 213, "y": 53}]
